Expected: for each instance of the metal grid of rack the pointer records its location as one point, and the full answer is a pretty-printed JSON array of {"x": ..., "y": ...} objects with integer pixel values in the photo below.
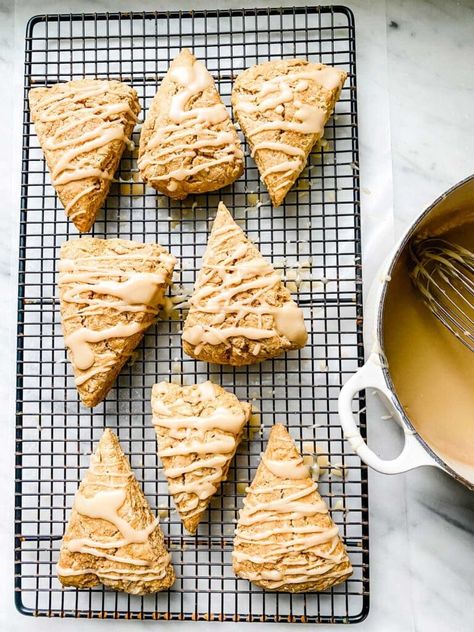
[{"x": 314, "y": 239}]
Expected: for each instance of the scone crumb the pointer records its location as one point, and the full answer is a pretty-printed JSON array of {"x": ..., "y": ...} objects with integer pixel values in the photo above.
[
  {"x": 322, "y": 459},
  {"x": 163, "y": 512},
  {"x": 339, "y": 470},
  {"x": 309, "y": 447},
  {"x": 252, "y": 199},
  {"x": 315, "y": 471},
  {"x": 308, "y": 460},
  {"x": 323, "y": 143}
]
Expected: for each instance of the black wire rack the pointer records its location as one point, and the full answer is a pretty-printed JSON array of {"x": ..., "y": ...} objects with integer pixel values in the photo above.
[{"x": 314, "y": 239}]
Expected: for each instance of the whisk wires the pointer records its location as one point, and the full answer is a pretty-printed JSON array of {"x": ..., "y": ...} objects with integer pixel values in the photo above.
[{"x": 443, "y": 272}]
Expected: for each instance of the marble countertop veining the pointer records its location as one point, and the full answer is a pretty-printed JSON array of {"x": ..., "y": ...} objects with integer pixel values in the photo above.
[{"x": 416, "y": 115}]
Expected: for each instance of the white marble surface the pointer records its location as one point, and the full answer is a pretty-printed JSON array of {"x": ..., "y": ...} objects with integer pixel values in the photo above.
[{"x": 416, "y": 122}]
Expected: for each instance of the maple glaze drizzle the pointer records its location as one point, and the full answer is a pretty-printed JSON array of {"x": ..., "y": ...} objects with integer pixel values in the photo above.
[
  {"x": 218, "y": 292},
  {"x": 192, "y": 79},
  {"x": 275, "y": 94},
  {"x": 307, "y": 552},
  {"x": 105, "y": 505},
  {"x": 212, "y": 434},
  {"x": 60, "y": 108},
  {"x": 88, "y": 283}
]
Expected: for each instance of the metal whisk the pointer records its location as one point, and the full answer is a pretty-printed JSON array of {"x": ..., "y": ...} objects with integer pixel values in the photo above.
[{"x": 444, "y": 274}]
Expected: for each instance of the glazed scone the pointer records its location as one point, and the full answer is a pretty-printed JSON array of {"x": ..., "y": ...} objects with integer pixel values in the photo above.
[
  {"x": 112, "y": 537},
  {"x": 188, "y": 142},
  {"x": 198, "y": 429},
  {"x": 110, "y": 291},
  {"x": 285, "y": 538},
  {"x": 282, "y": 108},
  {"x": 240, "y": 312},
  {"x": 83, "y": 127}
]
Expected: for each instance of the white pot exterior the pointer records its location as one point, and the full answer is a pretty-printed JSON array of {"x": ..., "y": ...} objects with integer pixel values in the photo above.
[{"x": 375, "y": 375}]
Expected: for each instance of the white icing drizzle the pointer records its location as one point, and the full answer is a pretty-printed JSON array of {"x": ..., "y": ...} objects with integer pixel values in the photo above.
[
  {"x": 211, "y": 436},
  {"x": 192, "y": 79},
  {"x": 307, "y": 551},
  {"x": 221, "y": 292},
  {"x": 110, "y": 120},
  {"x": 136, "y": 292},
  {"x": 274, "y": 94}
]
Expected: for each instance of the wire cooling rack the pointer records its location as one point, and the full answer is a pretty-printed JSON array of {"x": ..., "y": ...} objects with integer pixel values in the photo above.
[{"x": 314, "y": 239}]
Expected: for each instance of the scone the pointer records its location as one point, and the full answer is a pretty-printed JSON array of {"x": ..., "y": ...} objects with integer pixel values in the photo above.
[
  {"x": 83, "y": 127},
  {"x": 240, "y": 312},
  {"x": 112, "y": 538},
  {"x": 282, "y": 108},
  {"x": 285, "y": 539},
  {"x": 198, "y": 429},
  {"x": 188, "y": 142},
  {"x": 110, "y": 291}
]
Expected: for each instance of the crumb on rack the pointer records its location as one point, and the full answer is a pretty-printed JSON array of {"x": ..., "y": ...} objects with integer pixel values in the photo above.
[
  {"x": 133, "y": 358},
  {"x": 322, "y": 459},
  {"x": 252, "y": 199},
  {"x": 163, "y": 512},
  {"x": 339, "y": 470},
  {"x": 309, "y": 447},
  {"x": 315, "y": 471},
  {"x": 255, "y": 425},
  {"x": 308, "y": 460}
]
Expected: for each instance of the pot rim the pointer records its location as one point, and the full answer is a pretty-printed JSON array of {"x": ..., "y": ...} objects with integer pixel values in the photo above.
[{"x": 411, "y": 230}]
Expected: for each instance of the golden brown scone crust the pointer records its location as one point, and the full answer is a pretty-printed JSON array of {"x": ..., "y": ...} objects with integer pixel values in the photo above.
[
  {"x": 247, "y": 88},
  {"x": 84, "y": 196},
  {"x": 196, "y": 401},
  {"x": 238, "y": 350},
  {"x": 110, "y": 470},
  {"x": 116, "y": 260},
  {"x": 215, "y": 166},
  {"x": 273, "y": 556}
]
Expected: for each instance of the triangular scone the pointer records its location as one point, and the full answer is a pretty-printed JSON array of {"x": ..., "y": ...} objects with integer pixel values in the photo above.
[
  {"x": 240, "y": 312},
  {"x": 112, "y": 537},
  {"x": 285, "y": 538},
  {"x": 83, "y": 127},
  {"x": 198, "y": 429},
  {"x": 110, "y": 291},
  {"x": 188, "y": 142},
  {"x": 282, "y": 108}
]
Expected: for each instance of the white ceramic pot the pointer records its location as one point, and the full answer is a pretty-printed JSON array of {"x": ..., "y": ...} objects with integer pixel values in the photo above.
[{"x": 376, "y": 375}]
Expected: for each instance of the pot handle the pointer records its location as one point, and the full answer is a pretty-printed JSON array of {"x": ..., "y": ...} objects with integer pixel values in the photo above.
[{"x": 412, "y": 455}]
